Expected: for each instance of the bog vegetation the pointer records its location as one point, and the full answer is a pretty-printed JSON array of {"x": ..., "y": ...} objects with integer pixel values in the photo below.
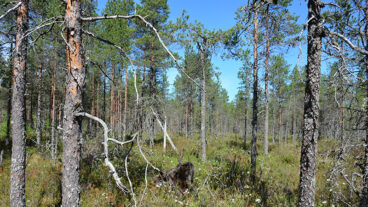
[{"x": 89, "y": 118}]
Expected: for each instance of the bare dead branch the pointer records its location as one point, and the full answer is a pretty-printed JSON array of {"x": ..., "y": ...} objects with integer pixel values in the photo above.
[
  {"x": 164, "y": 130},
  {"x": 354, "y": 47},
  {"x": 106, "y": 150},
  {"x": 10, "y": 10}
]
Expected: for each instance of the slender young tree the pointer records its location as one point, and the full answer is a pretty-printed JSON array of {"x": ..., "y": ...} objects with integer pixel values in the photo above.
[
  {"x": 53, "y": 108},
  {"x": 265, "y": 142},
  {"x": 255, "y": 93},
  {"x": 18, "y": 157},
  {"x": 39, "y": 102}
]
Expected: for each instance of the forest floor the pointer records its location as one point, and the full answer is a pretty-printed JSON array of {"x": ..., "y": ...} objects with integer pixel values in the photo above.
[{"x": 222, "y": 181}]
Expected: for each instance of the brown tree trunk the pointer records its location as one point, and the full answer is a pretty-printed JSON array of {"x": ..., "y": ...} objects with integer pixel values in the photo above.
[
  {"x": 73, "y": 104},
  {"x": 39, "y": 102},
  {"x": 191, "y": 113},
  {"x": 7, "y": 139},
  {"x": 112, "y": 100},
  {"x": 245, "y": 122},
  {"x": 52, "y": 114},
  {"x": 342, "y": 112},
  {"x": 265, "y": 143},
  {"x": 93, "y": 99},
  {"x": 18, "y": 157},
  {"x": 255, "y": 99},
  {"x": 311, "y": 107},
  {"x": 280, "y": 120},
  {"x": 186, "y": 114},
  {"x": 119, "y": 101},
  {"x": 104, "y": 98},
  {"x": 364, "y": 195},
  {"x": 294, "y": 117},
  {"x": 125, "y": 103}
]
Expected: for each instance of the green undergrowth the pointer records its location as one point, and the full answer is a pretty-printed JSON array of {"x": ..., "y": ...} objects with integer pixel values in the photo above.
[{"x": 224, "y": 180}]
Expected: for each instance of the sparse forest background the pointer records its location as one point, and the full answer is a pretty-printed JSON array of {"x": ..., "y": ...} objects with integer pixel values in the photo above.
[{"x": 88, "y": 116}]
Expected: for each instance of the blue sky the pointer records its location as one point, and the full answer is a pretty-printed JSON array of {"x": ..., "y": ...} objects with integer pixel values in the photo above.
[{"x": 219, "y": 14}]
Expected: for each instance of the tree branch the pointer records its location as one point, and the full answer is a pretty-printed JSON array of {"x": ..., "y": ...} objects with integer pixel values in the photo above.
[
  {"x": 165, "y": 132},
  {"x": 354, "y": 47},
  {"x": 154, "y": 30},
  {"x": 106, "y": 150},
  {"x": 10, "y": 10}
]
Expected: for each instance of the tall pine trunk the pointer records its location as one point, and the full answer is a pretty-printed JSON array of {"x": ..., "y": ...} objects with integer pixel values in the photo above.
[
  {"x": 73, "y": 104},
  {"x": 265, "y": 144},
  {"x": 7, "y": 139},
  {"x": 364, "y": 196},
  {"x": 294, "y": 117},
  {"x": 18, "y": 157},
  {"x": 245, "y": 122},
  {"x": 311, "y": 107},
  {"x": 203, "y": 105},
  {"x": 280, "y": 120},
  {"x": 39, "y": 102},
  {"x": 52, "y": 114},
  {"x": 125, "y": 103},
  {"x": 255, "y": 99}
]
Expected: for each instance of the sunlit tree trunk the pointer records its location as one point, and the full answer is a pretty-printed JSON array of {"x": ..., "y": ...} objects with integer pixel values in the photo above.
[
  {"x": 255, "y": 100},
  {"x": 18, "y": 157},
  {"x": 311, "y": 107},
  {"x": 203, "y": 58},
  {"x": 75, "y": 80}
]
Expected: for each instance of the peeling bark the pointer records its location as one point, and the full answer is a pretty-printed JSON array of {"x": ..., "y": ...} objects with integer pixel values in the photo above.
[
  {"x": 18, "y": 157},
  {"x": 75, "y": 81}
]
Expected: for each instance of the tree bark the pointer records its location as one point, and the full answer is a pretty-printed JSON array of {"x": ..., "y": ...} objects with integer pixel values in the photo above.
[
  {"x": 311, "y": 107},
  {"x": 18, "y": 157},
  {"x": 39, "y": 102},
  {"x": 245, "y": 122},
  {"x": 265, "y": 143},
  {"x": 203, "y": 57},
  {"x": 255, "y": 99},
  {"x": 93, "y": 100},
  {"x": 280, "y": 119},
  {"x": 364, "y": 195},
  {"x": 112, "y": 100},
  {"x": 7, "y": 139},
  {"x": 119, "y": 101},
  {"x": 294, "y": 117},
  {"x": 52, "y": 114},
  {"x": 73, "y": 104},
  {"x": 125, "y": 103}
]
